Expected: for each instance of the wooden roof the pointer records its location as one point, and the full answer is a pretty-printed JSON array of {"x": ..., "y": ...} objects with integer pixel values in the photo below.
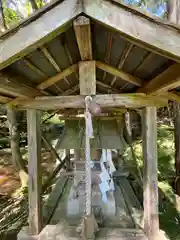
[{"x": 133, "y": 53}]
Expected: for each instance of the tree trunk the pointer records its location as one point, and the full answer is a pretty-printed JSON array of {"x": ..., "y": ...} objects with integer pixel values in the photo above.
[
  {"x": 173, "y": 11},
  {"x": 176, "y": 110},
  {"x": 15, "y": 146}
]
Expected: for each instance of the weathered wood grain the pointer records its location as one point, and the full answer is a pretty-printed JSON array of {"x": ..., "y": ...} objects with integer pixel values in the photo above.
[
  {"x": 139, "y": 29},
  {"x": 38, "y": 32},
  {"x": 107, "y": 100},
  {"x": 167, "y": 80},
  {"x": 151, "y": 211},
  {"x": 82, "y": 28},
  {"x": 34, "y": 159},
  {"x": 87, "y": 77},
  {"x": 118, "y": 73}
]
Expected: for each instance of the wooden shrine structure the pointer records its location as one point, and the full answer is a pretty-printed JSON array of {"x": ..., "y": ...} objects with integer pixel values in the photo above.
[{"x": 69, "y": 49}]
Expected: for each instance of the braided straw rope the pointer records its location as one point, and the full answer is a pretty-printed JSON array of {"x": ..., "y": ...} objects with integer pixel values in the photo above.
[{"x": 87, "y": 161}]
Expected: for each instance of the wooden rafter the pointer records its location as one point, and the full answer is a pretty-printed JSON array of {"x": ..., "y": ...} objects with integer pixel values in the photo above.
[
  {"x": 118, "y": 73},
  {"x": 38, "y": 32},
  {"x": 152, "y": 35},
  {"x": 4, "y": 99},
  {"x": 167, "y": 80},
  {"x": 82, "y": 28},
  {"x": 47, "y": 83},
  {"x": 11, "y": 86},
  {"x": 34, "y": 68},
  {"x": 61, "y": 75},
  {"x": 108, "y": 87},
  {"x": 71, "y": 90},
  {"x": 105, "y": 101},
  {"x": 50, "y": 58},
  {"x": 122, "y": 60}
]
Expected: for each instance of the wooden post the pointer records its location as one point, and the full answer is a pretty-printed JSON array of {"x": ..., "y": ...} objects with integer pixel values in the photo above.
[
  {"x": 34, "y": 156},
  {"x": 151, "y": 219}
]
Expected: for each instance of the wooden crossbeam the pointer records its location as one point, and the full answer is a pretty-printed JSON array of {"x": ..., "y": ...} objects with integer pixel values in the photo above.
[
  {"x": 105, "y": 101},
  {"x": 4, "y": 99},
  {"x": 82, "y": 28},
  {"x": 45, "y": 84},
  {"x": 11, "y": 86},
  {"x": 38, "y": 32},
  {"x": 167, "y": 80},
  {"x": 118, "y": 73},
  {"x": 152, "y": 35},
  {"x": 52, "y": 80}
]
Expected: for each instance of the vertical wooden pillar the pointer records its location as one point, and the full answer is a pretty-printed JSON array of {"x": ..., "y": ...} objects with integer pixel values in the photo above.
[
  {"x": 34, "y": 157},
  {"x": 151, "y": 218}
]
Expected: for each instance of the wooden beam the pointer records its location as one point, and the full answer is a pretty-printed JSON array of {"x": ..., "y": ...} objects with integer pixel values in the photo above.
[
  {"x": 38, "y": 32},
  {"x": 165, "y": 81},
  {"x": 34, "y": 159},
  {"x": 11, "y": 86},
  {"x": 118, "y": 73},
  {"x": 48, "y": 55},
  {"x": 34, "y": 68},
  {"x": 71, "y": 90},
  {"x": 107, "y": 100},
  {"x": 151, "y": 211},
  {"x": 173, "y": 96},
  {"x": 122, "y": 60},
  {"x": 52, "y": 80},
  {"x": 50, "y": 58},
  {"x": 82, "y": 28},
  {"x": 87, "y": 77},
  {"x": 45, "y": 84},
  {"x": 152, "y": 35},
  {"x": 108, "y": 87},
  {"x": 4, "y": 99}
]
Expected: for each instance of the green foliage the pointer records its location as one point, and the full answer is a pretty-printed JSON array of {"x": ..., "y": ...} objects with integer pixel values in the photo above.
[
  {"x": 11, "y": 17},
  {"x": 169, "y": 204}
]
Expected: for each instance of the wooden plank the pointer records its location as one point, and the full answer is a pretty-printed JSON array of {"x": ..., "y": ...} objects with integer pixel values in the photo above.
[
  {"x": 69, "y": 233},
  {"x": 132, "y": 202},
  {"x": 87, "y": 77},
  {"x": 122, "y": 60},
  {"x": 106, "y": 100},
  {"x": 4, "y": 99},
  {"x": 48, "y": 55},
  {"x": 152, "y": 35},
  {"x": 11, "y": 86},
  {"x": 118, "y": 73},
  {"x": 38, "y": 32},
  {"x": 61, "y": 75},
  {"x": 71, "y": 90},
  {"x": 34, "y": 159},
  {"x": 165, "y": 81},
  {"x": 108, "y": 87},
  {"x": 82, "y": 28},
  {"x": 151, "y": 212},
  {"x": 45, "y": 84}
]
